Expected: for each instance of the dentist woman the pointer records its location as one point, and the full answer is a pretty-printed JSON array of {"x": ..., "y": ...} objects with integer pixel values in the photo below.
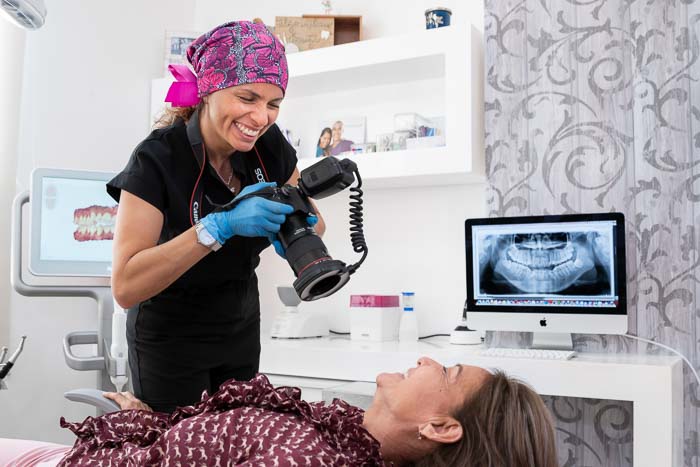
[{"x": 186, "y": 274}]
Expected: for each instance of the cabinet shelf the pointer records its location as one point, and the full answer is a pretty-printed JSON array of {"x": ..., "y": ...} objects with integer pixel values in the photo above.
[
  {"x": 436, "y": 73},
  {"x": 367, "y": 63},
  {"x": 414, "y": 167}
]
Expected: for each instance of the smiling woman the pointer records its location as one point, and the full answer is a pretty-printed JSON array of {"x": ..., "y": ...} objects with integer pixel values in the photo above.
[
  {"x": 235, "y": 117},
  {"x": 461, "y": 416},
  {"x": 185, "y": 271},
  {"x": 504, "y": 424}
]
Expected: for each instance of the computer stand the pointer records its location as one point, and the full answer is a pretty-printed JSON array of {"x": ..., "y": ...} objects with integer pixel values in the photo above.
[{"x": 552, "y": 341}]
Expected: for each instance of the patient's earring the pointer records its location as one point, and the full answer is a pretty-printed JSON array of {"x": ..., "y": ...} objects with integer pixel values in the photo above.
[{"x": 420, "y": 436}]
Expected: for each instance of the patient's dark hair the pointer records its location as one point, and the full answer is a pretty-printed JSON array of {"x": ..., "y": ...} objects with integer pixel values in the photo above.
[{"x": 505, "y": 424}]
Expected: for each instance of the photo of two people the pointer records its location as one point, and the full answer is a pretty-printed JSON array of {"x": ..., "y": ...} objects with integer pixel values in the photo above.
[{"x": 338, "y": 137}]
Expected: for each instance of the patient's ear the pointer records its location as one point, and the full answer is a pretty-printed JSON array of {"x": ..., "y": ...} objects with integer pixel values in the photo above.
[{"x": 441, "y": 430}]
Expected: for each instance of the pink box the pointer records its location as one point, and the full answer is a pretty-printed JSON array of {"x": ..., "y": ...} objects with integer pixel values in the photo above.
[
  {"x": 374, "y": 317},
  {"x": 374, "y": 301}
]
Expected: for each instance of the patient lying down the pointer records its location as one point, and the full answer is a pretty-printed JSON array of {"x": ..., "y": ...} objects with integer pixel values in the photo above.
[{"x": 427, "y": 416}]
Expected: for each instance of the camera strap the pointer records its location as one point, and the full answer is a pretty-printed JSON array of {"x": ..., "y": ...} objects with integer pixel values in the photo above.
[{"x": 194, "y": 136}]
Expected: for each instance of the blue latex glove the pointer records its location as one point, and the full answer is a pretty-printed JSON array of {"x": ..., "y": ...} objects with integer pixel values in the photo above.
[
  {"x": 253, "y": 217},
  {"x": 311, "y": 219}
]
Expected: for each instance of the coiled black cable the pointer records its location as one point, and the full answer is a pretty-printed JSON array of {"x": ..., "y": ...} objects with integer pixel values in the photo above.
[{"x": 357, "y": 234}]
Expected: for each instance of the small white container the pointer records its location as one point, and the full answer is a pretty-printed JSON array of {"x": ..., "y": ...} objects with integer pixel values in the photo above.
[
  {"x": 408, "y": 325},
  {"x": 374, "y": 317},
  {"x": 410, "y": 122},
  {"x": 425, "y": 142}
]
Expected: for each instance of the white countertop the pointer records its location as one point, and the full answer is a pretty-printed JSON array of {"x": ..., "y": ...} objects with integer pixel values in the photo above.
[{"x": 339, "y": 358}]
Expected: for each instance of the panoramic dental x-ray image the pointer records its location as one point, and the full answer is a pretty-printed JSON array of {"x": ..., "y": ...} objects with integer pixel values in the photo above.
[{"x": 564, "y": 263}]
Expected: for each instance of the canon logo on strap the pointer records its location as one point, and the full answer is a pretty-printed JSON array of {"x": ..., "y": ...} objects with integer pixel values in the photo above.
[
  {"x": 195, "y": 211},
  {"x": 259, "y": 175}
]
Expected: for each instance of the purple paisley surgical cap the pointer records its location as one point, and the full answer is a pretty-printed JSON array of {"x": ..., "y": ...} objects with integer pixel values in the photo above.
[{"x": 239, "y": 52}]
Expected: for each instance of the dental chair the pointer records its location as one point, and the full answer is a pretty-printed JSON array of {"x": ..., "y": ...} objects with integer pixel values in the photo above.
[
  {"x": 116, "y": 363},
  {"x": 89, "y": 396},
  {"x": 93, "y": 397},
  {"x": 21, "y": 452}
]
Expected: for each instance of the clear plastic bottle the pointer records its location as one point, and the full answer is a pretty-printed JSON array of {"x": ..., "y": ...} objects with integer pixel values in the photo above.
[{"x": 408, "y": 326}]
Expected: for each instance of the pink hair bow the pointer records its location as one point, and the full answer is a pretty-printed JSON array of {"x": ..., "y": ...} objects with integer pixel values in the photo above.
[{"x": 183, "y": 91}]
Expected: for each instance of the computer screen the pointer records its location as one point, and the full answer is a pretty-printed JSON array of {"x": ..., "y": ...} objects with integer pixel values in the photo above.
[
  {"x": 567, "y": 265},
  {"x": 72, "y": 223}
]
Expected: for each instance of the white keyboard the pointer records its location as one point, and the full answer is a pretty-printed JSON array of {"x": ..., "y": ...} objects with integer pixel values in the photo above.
[{"x": 542, "y": 354}]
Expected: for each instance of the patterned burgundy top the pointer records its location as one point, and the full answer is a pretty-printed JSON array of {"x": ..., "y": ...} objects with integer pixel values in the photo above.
[{"x": 244, "y": 423}]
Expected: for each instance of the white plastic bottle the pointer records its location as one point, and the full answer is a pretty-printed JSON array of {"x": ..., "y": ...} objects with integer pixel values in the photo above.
[{"x": 408, "y": 326}]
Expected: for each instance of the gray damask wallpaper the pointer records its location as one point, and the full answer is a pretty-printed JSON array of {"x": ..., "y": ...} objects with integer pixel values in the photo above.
[{"x": 594, "y": 106}]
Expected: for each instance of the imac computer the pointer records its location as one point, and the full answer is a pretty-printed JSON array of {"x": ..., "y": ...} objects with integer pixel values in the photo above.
[
  {"x": 72, "y": 223},
  {"x": 551, "y": 275}
]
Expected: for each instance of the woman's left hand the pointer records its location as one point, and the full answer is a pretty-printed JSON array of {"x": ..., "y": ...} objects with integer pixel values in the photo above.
[{"x": 127, "y": 401}]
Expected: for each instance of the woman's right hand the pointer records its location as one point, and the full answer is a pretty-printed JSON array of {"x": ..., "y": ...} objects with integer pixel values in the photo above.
[{"x": 253, "y": 217}]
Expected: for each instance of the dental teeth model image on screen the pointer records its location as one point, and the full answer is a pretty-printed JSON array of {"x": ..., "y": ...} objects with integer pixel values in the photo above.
[
  {"x": 73, "y": 221},
  {"x": 566, "y": 263},
  {"x": 72, "y": 230},
  {"x": 94, "y": 223}
]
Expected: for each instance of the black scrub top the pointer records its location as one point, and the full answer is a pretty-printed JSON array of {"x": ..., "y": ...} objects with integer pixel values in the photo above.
[{"x": 163, "y": 170}]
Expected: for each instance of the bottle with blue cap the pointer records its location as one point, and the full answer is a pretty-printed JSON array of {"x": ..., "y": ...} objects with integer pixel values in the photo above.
[{"x": 408, "y": 326}]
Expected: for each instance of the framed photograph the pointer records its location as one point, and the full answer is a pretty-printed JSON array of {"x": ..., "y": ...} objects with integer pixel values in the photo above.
[
  {"x": 176, "y": 44},
  {"x": 337, "y": 136},
  {"x": 298, "y": 34}
]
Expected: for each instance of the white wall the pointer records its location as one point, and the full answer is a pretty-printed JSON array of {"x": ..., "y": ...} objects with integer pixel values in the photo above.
[{"x": 85, "y": 104}]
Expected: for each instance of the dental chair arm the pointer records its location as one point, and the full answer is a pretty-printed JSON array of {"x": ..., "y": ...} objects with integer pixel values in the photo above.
[{"x": 92, "y": 397}]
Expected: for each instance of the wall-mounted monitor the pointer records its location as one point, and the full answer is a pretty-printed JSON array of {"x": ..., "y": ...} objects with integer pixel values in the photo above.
[{"x": 72, "y": 223}]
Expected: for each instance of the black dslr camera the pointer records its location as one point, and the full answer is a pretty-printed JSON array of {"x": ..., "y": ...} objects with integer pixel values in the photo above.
[{"x": 318, "y": 275}]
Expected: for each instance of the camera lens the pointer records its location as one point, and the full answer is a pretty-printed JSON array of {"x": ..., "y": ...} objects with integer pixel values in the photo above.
[
  {"x": 318, "y": 275},
  {"x": 325, "y": 284},
  {"x": 321, "y": 280}
]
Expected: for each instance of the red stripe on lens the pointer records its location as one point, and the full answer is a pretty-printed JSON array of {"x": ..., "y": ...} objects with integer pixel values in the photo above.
[{"x": 312, "y": 263}]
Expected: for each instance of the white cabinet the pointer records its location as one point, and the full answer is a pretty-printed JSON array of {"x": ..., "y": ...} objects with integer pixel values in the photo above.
[{"x": 435, "y": 73}]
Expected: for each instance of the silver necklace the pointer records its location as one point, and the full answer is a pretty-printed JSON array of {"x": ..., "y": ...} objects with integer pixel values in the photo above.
[{"x": 228, "y": 182}]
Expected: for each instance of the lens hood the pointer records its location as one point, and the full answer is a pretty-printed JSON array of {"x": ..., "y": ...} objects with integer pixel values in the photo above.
[{"x": 321, "y": 279}]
